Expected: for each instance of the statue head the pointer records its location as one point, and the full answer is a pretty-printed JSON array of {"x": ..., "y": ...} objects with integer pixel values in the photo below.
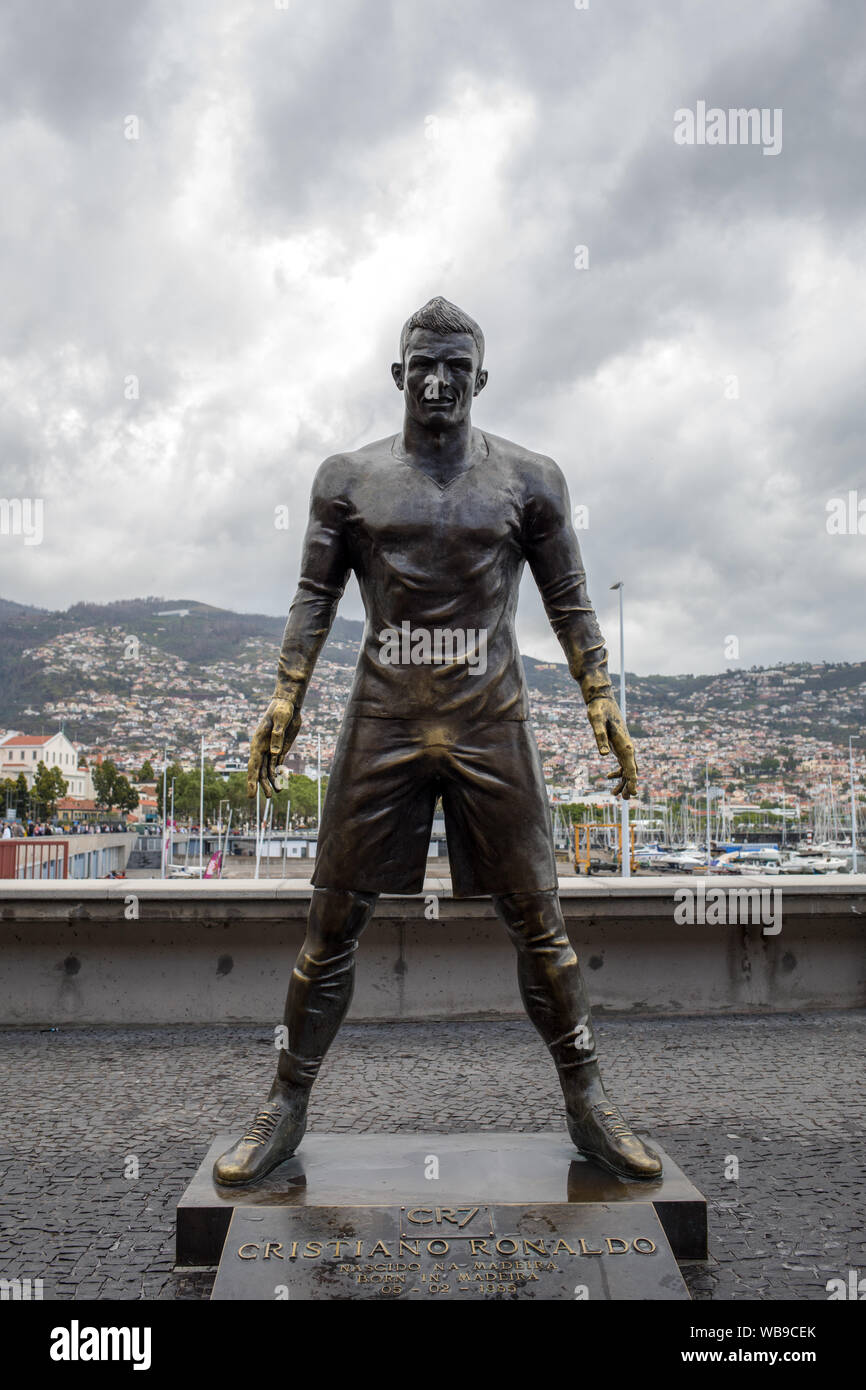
[{"x": 440, "y": 368}]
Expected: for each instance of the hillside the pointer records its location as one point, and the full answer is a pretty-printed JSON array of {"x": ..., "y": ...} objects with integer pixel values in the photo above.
[
  {"x": 75, "y": 665},
  {"x": 199, "y": 634}
]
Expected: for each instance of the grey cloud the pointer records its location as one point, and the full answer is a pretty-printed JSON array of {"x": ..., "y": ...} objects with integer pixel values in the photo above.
[{"x": 170, "y": 258}]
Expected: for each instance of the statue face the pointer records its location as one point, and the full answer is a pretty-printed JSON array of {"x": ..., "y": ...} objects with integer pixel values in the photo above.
[{"x": 440, "y": 376}]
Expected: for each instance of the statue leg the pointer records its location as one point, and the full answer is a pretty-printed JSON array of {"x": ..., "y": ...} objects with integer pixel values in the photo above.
[
  {"x": 555, "y": 998},
  {"x": 319, "y": 995}
]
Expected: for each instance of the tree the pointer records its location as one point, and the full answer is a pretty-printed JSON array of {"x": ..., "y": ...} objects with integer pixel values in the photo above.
[
  {"x": 127, "y": 796},
  {"x": 299, "y": 790},
  {"x": 22, "y": 795},
  {"x": 147, "y": 773},
  {"x": 10, "y": 796},
  {"x": 302, "y": 792},
  {"x": 48, "y": 786},
  {"x": 112, "y": 789},
  {"x": 188, "y": 790},
  {"x": 105, "y": 776}
]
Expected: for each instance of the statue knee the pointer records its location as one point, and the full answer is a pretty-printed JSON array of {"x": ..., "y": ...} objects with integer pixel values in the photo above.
[
  {"x": 535, "y": 924},
  {"x": 322, "y": 958}
]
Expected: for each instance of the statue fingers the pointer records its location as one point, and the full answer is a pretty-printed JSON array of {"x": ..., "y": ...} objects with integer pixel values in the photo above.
[
  {"x": 281, "y": 718},
  {"x": 267, "y": 776},
  {"x": 621, "y": 783},
  {"x": 258, "y": 751},
  {"x": 627, "y": 771},
  {"x": 598, "y": 721},
  {"x": 624, "y": 749},
  {"x": 632, "y": 778}
]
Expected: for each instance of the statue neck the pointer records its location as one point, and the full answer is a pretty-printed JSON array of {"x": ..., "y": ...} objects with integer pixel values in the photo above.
[{"x": 445, "y": 450}]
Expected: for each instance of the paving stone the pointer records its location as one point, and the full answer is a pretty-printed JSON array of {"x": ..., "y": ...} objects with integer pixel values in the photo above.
[{"x": 787, "y": 1087}]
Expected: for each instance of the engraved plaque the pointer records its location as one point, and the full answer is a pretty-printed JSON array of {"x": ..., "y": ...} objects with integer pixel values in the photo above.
[{"x": 428, "y": 1251}]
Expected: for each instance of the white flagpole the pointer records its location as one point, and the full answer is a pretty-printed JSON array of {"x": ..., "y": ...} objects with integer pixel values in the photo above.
[
  {"x": 319, "y": 786},
  {"x": 260, "y": 835},
  {"x": 624, "y": 835},
  {"x": 223, "y": 851},
  {"x": 164, "y": 816}
]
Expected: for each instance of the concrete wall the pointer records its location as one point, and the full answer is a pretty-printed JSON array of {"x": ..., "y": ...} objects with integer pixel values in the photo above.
[
  {"x": 93, "y": 856},
  {"x": 219, "y": 952}
]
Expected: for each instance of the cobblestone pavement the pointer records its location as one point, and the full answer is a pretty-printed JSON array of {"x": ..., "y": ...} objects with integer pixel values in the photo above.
[{"x": 781, "y": 1094}]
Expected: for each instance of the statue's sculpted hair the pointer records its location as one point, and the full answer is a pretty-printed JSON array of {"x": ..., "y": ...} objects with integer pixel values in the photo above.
[{"x": 441, "y": 316}]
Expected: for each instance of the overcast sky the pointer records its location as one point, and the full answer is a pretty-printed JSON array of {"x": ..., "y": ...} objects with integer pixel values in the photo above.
[{"x": 307, "y": 175}]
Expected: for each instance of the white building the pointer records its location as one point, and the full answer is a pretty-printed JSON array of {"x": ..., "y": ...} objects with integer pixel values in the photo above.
[{"x": 24, "y": 752}]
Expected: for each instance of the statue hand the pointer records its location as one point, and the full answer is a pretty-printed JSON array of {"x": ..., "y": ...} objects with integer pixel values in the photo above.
[
  {"x": 610, "y": 730},
  {"x": 270, "y": 743}
]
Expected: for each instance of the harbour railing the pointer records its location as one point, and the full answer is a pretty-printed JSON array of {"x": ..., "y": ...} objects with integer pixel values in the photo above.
[{"x": 34, "y": 857}]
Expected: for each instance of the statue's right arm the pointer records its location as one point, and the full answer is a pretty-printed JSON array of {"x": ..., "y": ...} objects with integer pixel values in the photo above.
[{"x": 325, "y": 570}]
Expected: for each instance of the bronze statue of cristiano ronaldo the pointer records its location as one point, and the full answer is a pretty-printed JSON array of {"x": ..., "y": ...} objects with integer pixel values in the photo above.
[{"x": 437, "y": 523}]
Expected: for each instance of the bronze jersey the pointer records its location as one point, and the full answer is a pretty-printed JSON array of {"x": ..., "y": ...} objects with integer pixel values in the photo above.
[{"x": 439, "y": 569}]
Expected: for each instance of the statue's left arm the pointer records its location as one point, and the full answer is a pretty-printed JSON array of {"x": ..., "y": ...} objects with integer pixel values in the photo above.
[{"x": 553, "y": 554}]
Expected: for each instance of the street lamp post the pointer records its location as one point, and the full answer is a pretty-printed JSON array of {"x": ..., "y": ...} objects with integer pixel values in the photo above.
[
  {"x": 853, "y": 809},
  {"x": 625, "y": 843},
  {"x": 164, "y": 810}
]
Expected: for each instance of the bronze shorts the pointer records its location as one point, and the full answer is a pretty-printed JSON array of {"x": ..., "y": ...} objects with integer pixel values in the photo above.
[{"x": 382, "y": 793}]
